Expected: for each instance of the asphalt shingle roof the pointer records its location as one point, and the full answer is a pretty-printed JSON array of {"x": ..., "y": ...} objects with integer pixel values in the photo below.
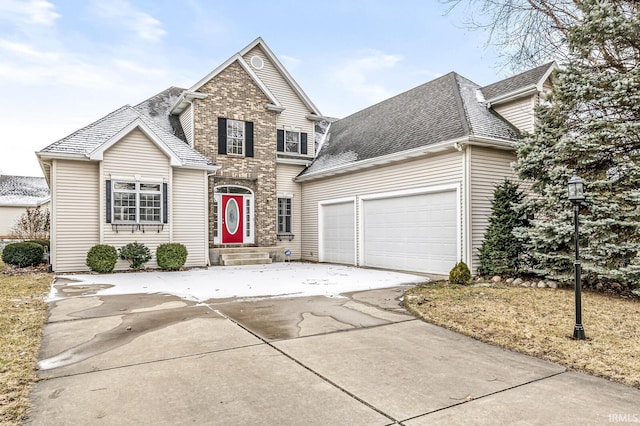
[
  {"x": 23, "y": 190},
  {"x": 516, "y": 82},
  {"x": 154, "y": 113},
  {"x": 443, "y": 109}
]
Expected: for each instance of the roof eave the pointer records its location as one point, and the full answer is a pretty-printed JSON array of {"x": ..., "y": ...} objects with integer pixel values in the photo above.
[
  {"x": 385, "y": 159},
  {"x": 206, "y": 167},
  {"x": 185, "y": 100},
  {"x": 514, "y": 95}
]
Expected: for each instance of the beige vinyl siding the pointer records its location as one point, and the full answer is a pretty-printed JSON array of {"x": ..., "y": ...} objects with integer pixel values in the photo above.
[
  {"x": 135, "y": 155},
  {"x": 489, "y": 167},
  {"x": 189, "y": 219},
  {"x": 519, "y": 112},
  {"x": 186, "y": 121},
  {"x": 285, "y": 185},
  {"x": 431, "y": 171},
  {"x": 295, "y": 112},
  {"x": 75, "y": 225}
]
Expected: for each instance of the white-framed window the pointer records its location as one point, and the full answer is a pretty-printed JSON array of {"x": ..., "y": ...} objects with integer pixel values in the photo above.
[
  {"x": 235, "y": 137},
  {"x": 292, "y": 141},
  {"x": 137, "y": 202},
  {"x": 284, "y": 216}
]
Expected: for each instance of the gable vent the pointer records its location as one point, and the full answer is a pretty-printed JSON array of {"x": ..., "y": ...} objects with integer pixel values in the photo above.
[{"x": 257, "y": 62}]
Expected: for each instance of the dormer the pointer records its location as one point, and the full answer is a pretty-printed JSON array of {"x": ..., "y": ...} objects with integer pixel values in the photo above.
[{"x": 515, "y": 98}]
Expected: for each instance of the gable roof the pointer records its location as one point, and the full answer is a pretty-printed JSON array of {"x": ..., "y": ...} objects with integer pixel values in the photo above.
[
  {"x": 181, "y": 103},
  {"x": 151, "y": 117},
  {"x": 520, "y": 84},
  {"x": 443, "y": 110},
  {"x": 23, "y": 190}
]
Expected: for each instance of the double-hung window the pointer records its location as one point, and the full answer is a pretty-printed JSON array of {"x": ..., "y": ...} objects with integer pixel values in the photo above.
[
  {"x": 292, "y": 141},
  {"x": 284, "y": 216},
  {"x": 137, "y": 202},
  {"x": 235, "y": 137}
]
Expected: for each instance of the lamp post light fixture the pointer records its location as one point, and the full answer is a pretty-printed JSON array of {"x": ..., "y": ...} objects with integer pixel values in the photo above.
[{"x": 576, "y": 196}]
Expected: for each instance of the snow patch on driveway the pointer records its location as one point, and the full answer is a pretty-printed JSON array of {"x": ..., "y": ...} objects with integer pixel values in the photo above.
[{"x": 219, "y": 282}]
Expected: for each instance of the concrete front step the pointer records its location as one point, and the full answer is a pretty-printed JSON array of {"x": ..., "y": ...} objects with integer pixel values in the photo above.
[
  {"x": 228, "y": 256},
  {"x": 245, "y": 258}
]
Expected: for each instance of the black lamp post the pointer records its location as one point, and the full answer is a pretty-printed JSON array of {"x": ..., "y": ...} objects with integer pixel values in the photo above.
[{"x": 576, "y": 196}]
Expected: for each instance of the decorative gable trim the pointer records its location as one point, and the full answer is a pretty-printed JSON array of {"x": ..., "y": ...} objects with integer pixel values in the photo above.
[
  {"x": 274, "y": 104},
  {"x": 283, "y": 71},
  {"x": 98, "y": 153}
]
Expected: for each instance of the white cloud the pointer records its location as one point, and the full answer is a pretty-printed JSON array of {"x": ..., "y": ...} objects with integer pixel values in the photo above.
[
  {"x": 122, "y": 13},
  {"x": 25, "y": 51},
  {"x": 290, "y": 61},
  {"x": 356, "y": 75},
  {"x": 40, "y": 12}
]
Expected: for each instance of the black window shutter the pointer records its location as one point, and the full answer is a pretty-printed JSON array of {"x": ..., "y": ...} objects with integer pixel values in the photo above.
[
  {"x": 248, "y": 138},
  {"x": 303, "y": 143},
  {"x": 222, "y": 135},
  {"x": 108, "y": 193},
  {"x": 165, "y": 204},
  {"x": 280, "y": 140}
]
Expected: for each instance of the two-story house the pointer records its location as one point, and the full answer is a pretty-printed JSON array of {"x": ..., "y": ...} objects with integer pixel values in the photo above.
[{"x": 229, "y": 168}]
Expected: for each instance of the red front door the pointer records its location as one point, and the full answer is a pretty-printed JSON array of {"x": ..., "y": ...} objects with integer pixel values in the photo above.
[{"x": 232, "y": 219}]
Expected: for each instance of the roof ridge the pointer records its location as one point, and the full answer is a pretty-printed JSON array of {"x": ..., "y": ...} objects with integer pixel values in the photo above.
[
  {"x": 462, "y": 110},
  {"x": 158, "y": 94}
]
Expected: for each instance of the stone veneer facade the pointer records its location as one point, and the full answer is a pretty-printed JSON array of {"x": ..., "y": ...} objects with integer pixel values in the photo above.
[{"x": 233, "y": 94}]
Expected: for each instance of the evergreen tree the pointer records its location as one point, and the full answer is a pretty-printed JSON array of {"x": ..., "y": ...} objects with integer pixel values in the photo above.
[
  {"x": 502, "y": 252},
  {"x": 591, "y": 126}
]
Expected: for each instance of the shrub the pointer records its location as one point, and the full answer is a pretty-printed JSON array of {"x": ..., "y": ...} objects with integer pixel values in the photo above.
[
  {"x": 44, "y": 243},
  {"x": 502, "y": 252},
  {"x": 137, "y": 254},
  {"x": 102, "y": 258},
  {"x": 34, "y": 224},
  {"x": 460, "y": 274},
  {"x": 23, "y": 254},
  {"x": 171, "y": 256}
]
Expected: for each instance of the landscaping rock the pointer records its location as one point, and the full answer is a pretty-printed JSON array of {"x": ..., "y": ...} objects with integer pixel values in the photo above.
[
  {"x": 517, "y": 281},
  {"x": 616, "y": 286},
  {"x": 552, "y": 284},
  {"x": 508, "y": 281},
  {"x": 525, "y": 284},
  {"x": 496, "y": 278},
  {"x": 542, "y": 284},
  {"x": 599, "y": 286}
]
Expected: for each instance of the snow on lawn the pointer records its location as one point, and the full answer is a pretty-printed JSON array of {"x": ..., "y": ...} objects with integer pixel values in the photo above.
[{"x": 218, "y": 282}]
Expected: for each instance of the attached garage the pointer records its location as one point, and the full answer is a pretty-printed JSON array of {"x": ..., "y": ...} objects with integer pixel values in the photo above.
[
  {"x": 337, "y": 232},
  {"x": 412, "y": 232}
]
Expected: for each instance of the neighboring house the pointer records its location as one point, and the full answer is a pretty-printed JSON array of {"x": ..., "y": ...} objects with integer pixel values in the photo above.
[
  {"x": 17, "y": 194},
  {"x": 229, "y": 168}
]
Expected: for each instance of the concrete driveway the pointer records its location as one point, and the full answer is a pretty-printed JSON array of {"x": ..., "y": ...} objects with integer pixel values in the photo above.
[{"x": 114, "y": 359}]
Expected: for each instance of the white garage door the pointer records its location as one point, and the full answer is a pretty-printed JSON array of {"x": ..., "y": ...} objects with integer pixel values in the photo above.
[
  {"x": 411, "y": 233},
  {"x": 337, "y": 234}
]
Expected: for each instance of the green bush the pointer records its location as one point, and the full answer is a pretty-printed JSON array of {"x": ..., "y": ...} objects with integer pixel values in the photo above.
[
  {"x": 23, "y": 254},
  {"x": 102, "y": 258},
  {"x": 44, "y": 243},
  {"x": 137, "y": 254},
  {"x": 460, "y": 274},
  {"x": 503, "y": 252},
  {"x": 171, "y": 256}
]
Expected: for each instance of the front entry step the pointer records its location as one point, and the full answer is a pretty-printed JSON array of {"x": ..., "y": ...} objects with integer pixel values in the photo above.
[
  {"x": 234, "y": 256},
  {"x": 248, "y": 258}
]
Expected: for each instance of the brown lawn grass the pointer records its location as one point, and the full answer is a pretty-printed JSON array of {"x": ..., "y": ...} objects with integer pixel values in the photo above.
[
  {"x": 22, "y": 315},
  {"x": 539, "y": 322}
]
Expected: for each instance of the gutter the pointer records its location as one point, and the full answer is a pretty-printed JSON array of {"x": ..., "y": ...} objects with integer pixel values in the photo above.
[{"x": 457, "y": 144}]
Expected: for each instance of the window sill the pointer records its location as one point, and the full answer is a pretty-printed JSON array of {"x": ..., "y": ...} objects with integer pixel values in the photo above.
[
  {"x": 133, "y": 227},
  {"x": 287, "y": 236}
]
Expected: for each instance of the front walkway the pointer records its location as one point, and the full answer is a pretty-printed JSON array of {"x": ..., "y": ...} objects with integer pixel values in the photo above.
[{"x": 360, "y": 359}]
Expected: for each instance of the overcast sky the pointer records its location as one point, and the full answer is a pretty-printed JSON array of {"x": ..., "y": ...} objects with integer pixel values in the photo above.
[{"x": 65, "y": 64}]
